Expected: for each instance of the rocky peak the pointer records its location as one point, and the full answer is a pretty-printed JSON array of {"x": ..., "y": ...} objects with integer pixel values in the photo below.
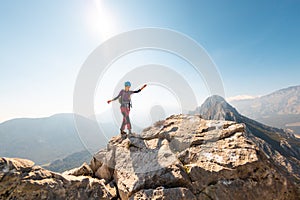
[
  {"x": 181, "y": 157},
  {"x": 187, "y": 157},
  {"x": 216, "y": 107},
  {"x": 278, "y": 144}
]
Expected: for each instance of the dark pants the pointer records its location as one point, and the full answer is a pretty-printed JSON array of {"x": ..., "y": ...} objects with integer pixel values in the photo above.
[{"x": 126, "y": 121}]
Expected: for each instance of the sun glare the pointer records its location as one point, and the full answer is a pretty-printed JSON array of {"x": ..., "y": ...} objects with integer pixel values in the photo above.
[{"x": 101, "y": 21}]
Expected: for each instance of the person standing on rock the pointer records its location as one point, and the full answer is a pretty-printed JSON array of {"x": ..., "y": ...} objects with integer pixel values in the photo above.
[{"x": 125, "y": 101}]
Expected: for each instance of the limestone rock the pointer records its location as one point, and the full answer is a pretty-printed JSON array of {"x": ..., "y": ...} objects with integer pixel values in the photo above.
[
  {"x": 104, "y": 172},
  {"x": 187, "y": 157},
  {"x": 21, "y": 180},
  {"x": 281, "y": 146},
  {"x": 83, "y": 170},
  {"x": 164, "y": 193},
  {"x": 181, "y": 157}
]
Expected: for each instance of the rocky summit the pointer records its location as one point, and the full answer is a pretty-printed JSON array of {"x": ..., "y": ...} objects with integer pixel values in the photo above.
[
  {"x": 181, "y": 157},
  {"x": 187, "y": 157},
  {"x": 215, "y": 153}
]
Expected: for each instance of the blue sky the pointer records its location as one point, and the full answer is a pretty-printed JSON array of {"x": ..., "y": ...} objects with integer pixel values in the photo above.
[{"x": 255, "y": 44}]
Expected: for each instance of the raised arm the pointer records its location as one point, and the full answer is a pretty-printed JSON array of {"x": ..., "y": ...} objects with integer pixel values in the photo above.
[
  {"x": 120, "y": 93},
  {"x": 137, "y": 91}
]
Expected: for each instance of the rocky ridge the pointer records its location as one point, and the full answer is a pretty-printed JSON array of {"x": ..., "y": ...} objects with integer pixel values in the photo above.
[
  {"x": 279, "y": 145},
  {"x": 199, "y": 156},
  {"x": 182, "y": 157}
]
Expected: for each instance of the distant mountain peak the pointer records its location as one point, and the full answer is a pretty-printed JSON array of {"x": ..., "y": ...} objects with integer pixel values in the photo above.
[
  {"x": 283, "y": 101},
  {"x": 216, "y": 98},
  {"x": 278, "y": 109},
  {"x": 216, "y": 107}
]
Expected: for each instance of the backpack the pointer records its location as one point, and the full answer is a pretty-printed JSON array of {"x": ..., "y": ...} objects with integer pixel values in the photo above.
[{"x": 121, "y": 99}]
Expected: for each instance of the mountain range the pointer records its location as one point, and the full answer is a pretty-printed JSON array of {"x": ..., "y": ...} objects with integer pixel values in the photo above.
[
  {"x": 48, "y": 139},
  {"x": 54, "y": 142},
  {"x": 280, "y": 109}
]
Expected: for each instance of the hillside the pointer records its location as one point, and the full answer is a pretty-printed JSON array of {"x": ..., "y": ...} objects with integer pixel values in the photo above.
[
  {"x": 44, "y": 140},
  {"x": 69, "y": 162},
  {"x": 277, "y": 109}
]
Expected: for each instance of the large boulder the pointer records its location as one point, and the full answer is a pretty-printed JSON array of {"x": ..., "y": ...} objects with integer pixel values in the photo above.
[
  {"x": 83, "y": 170},
  {"x": 187, "y": 157},
  {"x": 20, "y": 179}
]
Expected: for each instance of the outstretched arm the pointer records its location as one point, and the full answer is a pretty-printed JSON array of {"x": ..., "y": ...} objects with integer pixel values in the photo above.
[
  {"x": 137, "y": 91},
  {"x": 115, "y": 97}
]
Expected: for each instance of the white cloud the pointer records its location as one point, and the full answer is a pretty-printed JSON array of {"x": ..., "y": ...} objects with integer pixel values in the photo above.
[{"x": 241, "y": 97}]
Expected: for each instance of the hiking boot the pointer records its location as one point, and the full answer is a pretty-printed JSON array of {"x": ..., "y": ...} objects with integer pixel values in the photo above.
[
  {"x": 122, "y": 132},
  {"x": 129, "y": 131}
]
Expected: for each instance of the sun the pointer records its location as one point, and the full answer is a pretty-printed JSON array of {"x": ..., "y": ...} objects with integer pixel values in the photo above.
[{"x": 101, "y": 20}]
